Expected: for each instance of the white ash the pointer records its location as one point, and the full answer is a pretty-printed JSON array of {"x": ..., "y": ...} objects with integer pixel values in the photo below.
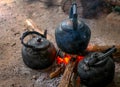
[{"x": 45, "y": 81}]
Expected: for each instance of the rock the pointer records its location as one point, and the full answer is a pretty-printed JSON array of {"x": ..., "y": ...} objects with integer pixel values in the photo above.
[
  {"x": 12, "y": 85},
  {"x": 13, "y": 44},
  {"x": 34, "y": 77},
  {"x": 16, "y": 33},
  {"x": 113, "y": 18},
  {"x": 4, "y": 4}
]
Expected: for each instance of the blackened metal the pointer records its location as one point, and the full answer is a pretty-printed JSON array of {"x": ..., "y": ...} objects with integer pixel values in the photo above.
[
  {"x": 97, "y": 69},
  {"x": 45, "y": 33},
  {"x": 111, "y": 50},
  {"x": 60, "y": 53},
  {"x": 66, "y": 4},
  {"x": 38, "y": 52},
  {"x": 29, "y": 33},
  {"x": 75, "y": 23},
  {"x": 39, "y": 40},
  {"x": 72, "y": 36},
  {"x": 73, "y": 59}
]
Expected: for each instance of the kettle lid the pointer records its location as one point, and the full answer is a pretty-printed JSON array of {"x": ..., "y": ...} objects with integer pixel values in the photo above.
[
  {"x": 67, "y": 25},
  {"x": 39, "y": 43}
]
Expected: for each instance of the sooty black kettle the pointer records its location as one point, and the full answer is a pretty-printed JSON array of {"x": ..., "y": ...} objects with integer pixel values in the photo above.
[
  {"x": 38, "y": 52},
  {"x": 97, "y": 69}
]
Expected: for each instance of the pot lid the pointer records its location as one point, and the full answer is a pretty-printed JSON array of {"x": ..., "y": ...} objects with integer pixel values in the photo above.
[{"x": 39, "y": 43}]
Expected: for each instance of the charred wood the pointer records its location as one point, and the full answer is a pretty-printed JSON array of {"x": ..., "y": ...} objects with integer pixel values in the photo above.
[
  {"x": 56, "y": 72},
  {"x": 66, "y": 78}
]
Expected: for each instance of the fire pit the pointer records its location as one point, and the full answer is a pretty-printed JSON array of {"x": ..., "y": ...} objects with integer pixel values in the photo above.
[
  {"x": 79, "y": 34},
  {"x": 67, "y": 63}
]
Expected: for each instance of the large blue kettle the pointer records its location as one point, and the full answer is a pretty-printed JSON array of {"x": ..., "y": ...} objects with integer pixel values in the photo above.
[{"x": 72, "y": 35}]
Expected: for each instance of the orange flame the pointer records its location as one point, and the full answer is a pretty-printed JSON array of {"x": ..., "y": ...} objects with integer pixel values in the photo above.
[
  {"x": 67, "y": 58},
  {"x": 79, "y": 58},
  {"x": 64, "y": 60}
]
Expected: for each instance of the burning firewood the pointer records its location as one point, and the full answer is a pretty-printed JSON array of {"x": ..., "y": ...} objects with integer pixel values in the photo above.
[
  {"x": 65, "y": 81},
  {"x": 94, "y": 47}
]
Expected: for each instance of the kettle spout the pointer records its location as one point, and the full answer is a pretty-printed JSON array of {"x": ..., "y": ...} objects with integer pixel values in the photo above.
[{"x": 108, "y": 53}]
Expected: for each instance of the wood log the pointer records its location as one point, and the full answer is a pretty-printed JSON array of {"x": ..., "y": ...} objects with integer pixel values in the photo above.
[
  {"x": 78, "y": 82},
  {"x": 98, "y": 48},
  {"x": 56, "y": 72},
  {"x": 65, "y": 81},
  {"x": 33, "y": 27},
  {"x": 75, "y": 80},
  {"x": 113, "y": 2}
]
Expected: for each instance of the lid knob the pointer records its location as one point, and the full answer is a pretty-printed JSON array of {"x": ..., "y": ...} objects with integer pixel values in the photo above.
[{"x": 39, "y": 39}]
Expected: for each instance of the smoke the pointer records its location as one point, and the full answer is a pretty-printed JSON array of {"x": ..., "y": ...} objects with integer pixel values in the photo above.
[{"x": 91, "y": 8}]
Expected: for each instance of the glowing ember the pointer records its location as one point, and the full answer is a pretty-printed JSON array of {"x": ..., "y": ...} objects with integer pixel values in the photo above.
[
  {"x": 67, "y": 58},
  {"x": 79, "y": 58}
]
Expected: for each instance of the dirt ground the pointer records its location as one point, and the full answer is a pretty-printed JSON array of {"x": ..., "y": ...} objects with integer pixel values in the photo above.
[{"x": 13, "y": 13}]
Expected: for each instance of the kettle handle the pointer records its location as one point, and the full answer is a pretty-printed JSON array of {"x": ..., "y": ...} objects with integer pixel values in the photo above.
[
  {"x": 73, "y": 15},
  {"x": 29, "y": 33}
]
